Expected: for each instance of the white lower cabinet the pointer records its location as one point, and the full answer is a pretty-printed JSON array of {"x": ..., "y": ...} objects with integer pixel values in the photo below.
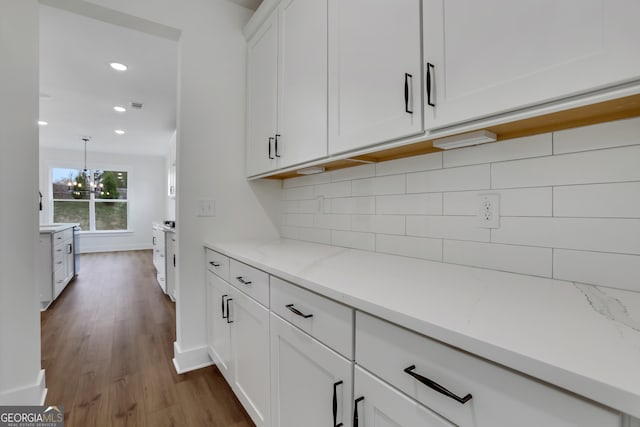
[
  {"x": 377, "y": 404},
  {"x": 311, "y": 384},
  {"x": 218, "y": 328},
  {"x": 439, "y": 376}
]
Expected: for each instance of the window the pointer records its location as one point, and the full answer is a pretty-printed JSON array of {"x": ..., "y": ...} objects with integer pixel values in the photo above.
[{"x": 100, "y": 205}]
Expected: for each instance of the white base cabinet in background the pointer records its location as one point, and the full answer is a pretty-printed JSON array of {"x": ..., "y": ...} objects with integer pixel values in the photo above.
[
  {"x": 56, "y": 266},
  {"x": 311, "y": 384},
  {"x": 377, "y": 404},
  {"x": 159, "y": 255},
  {"x": 218, "y": 327},
  {"x": 170, "y": 267}
]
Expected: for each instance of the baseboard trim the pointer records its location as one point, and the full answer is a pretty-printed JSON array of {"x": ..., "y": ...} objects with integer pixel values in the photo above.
[
  {"x": 31, "y": 395},
  {"x": 190, "y": 360}
]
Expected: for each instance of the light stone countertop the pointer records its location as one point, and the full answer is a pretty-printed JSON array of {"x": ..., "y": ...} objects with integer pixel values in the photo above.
[
  {"x": 583, "y": 338},
  {"x": 54, "y": 228}
]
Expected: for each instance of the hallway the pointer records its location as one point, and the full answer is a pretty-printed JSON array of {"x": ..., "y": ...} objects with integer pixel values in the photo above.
[{"x": 107, "y": 345}]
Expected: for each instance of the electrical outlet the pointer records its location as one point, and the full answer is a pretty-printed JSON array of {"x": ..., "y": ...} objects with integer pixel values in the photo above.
[
  {"x": 489, "y": 210},
  {"x": 206, "y": 208}
]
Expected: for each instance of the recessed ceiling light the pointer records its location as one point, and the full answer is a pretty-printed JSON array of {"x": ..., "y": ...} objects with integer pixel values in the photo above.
[
  {"x": 119, "y": 131},
  {"x": 42, "y": 123},
  {"x": 119, "y": 109},
  {"x": 118, "y": 66}
]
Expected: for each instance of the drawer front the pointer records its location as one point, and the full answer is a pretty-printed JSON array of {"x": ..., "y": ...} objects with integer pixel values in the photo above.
[
  {"x": 327, "y": 321},
  {"x": 58, "y": 255},
  {"x": 500, "y": 397},
  {"x": 218, "y": 264},
  {"x": 249, "y": 280},
  {"x": 62, "y": 236}
]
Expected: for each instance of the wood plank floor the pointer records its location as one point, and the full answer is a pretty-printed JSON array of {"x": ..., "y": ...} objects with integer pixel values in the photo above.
[{"x": 107, "y": 345}]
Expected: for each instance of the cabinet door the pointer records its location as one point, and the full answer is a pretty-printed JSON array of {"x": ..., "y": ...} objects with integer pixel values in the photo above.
[
  {"x": 308, "y": 379},
  {"x": 170, "y": 242},
  {"x": 262, "y": 96},
  {"x": 302, "y": 96},
  {"x": 380, "y": 405},
  {"x": 250, "y": 356},
  {"x": 218, "y": 328},
  {"x": 69, "y": 259},
  {"x": 495, "y": 56},
  {"x": 374, "y": 72}
]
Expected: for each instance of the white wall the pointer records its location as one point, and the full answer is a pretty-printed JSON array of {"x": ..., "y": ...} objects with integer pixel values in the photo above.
[
  {"x": 570, "y": 206},
  {"x": 146, "y": 195},
  {"x": 170, "y": 159},
  {"x": 21, "y": 379},
  {"x": 210, "y": 146}
]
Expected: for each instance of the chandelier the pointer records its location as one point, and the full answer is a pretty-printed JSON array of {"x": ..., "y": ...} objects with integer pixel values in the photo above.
[{"x": 86, "y": 183}]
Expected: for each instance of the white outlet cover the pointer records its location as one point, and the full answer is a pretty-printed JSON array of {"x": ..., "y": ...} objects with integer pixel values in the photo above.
[{"x": 488, "y": 210}]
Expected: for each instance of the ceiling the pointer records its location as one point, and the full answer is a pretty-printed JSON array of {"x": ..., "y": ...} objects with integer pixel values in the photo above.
[{"x": 78, "y": 88}]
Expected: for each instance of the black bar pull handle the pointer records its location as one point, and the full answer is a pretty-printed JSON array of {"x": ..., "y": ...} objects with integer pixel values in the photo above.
[
  {"x": 154, "y": 240},
  {"x": 430, "y": 67},
  {"x": 213, "y": 263},
  {"x": 174, "y": 260},
  {"x": 69, "y": 248},
  {"x": 228, "y": 315},
  {"x": 407, "y": 93},
  {"x": 270, "y": 139},
  {"x": 276, "y": 145},
  {"x": 435, "y": 386},
  {"x": 243, "y": 281},
  {"x": 355, "y": 411},
  {"x": 335, "y": 404},
  {"x": 298, "y": 312},
  {"x": 222, "y": 307}
]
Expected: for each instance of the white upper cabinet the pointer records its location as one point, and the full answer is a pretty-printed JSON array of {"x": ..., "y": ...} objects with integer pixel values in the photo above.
[
  {"x": 302, "y": 96},
  {"x": 262, "y": 97},
  {"x": 287, "y": 87},
  {"x": 490, "y": 57},
  {"x": 374, "y": 72}
]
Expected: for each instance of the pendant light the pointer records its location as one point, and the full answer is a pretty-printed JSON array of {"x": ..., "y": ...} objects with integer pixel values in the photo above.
[{"x": 90, "y": 186}]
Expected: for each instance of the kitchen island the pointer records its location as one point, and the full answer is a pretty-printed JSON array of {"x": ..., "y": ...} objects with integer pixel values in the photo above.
[{"x": 580, "y": 338}]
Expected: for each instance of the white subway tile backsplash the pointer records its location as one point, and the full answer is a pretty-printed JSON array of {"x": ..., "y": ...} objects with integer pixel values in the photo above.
[
  {"x": 356, "y": 172},
  {"x": 455, "y": 179},
  {"x": 297, "y": 193},
  {"x": 409, "y": 204},
  {"x": 415, "y": 247},
  {"x": 297, "y": 220},
  {"x": 569, "y": 206},
  {"x": 353, "y": 239},
  {"x": 589, "y": 167},
  {"x": 516, "y": 259},
  {"x": 423, "y": 162},
  {"x": 447, "y": 227},
  {"x": 335, "y": 189},
  {"x": 290, "y": 206},
  {"x": 598, "y": 268},
  {"x": 306, "y": 180},
  {"x": 385, "y": 224},
  {"x": 621, "y": 200},
  {"x": 353, "y": 205},
  {"x": 315, "y": 235},
  {"x": 391, "y": 184},
  {"x": 519, "y": 148},
  {"x": 603, "y": 135},
  {"x": 591, "y": 234},
  {"x": 290, "y": 232},
  {"x": 333, "y": 222},
  {"x": 309, "y": 206},
  {"x": 515, "y": 202}
]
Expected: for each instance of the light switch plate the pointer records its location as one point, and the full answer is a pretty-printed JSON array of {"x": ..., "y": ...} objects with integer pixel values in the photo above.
[{"x": 206, "y": 207}]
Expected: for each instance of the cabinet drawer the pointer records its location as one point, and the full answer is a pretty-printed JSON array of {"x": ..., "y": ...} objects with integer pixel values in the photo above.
[
  {"x": 218, "y": 264},
  {"x": 500, "y": 397},
  {"x": 61, "y": 236},
  {"x": 329, "y": 322},
  {"x": 58, "y": 255},
  {"x": 249, "y": 280}
]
